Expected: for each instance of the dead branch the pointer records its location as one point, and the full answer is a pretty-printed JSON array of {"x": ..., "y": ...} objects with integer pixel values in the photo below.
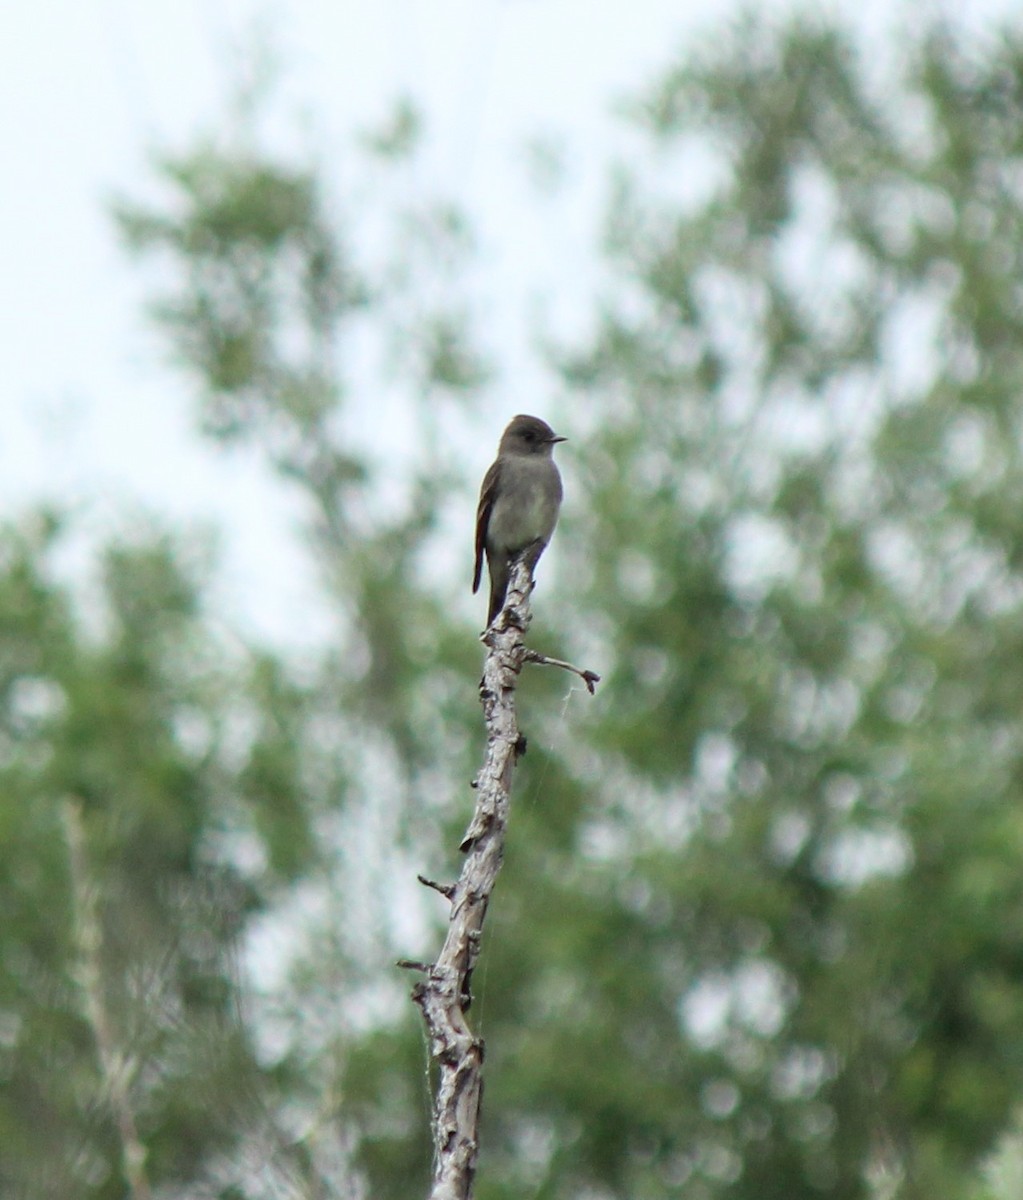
[
  {"x": 115, "y": 1067},
  {"x": 444, "y": 995},
  {"x": 590, "y": 678}
]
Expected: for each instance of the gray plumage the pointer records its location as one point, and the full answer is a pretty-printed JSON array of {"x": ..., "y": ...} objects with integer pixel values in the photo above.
[{"x": 519, "y": 503}]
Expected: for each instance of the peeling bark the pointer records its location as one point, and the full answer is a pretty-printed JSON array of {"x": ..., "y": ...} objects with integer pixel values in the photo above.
[{"x": 444, "y": 994}]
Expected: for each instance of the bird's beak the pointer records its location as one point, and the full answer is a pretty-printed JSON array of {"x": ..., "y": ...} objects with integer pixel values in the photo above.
[{"x": 555, "y": 439}]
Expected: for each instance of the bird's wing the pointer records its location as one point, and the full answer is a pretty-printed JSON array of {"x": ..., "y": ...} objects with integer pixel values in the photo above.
[{"x": 488, "y": 492}]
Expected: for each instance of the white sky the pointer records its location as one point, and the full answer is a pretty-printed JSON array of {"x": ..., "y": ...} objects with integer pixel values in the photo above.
[{"x": 88, "y": 413}]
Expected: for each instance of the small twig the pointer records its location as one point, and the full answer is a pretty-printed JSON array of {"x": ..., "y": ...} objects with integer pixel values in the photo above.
[
  {"x": 445, "y": 889},
  {"x": 590, "y": 678}
]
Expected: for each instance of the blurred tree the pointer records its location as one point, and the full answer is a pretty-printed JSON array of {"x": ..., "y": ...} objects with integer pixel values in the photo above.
[
  {"x": 797, "y": 895},
  {"x": 132, "y": 744},
  {"x": 275, "y": 320},
  {"x": 762, "y": 933}
]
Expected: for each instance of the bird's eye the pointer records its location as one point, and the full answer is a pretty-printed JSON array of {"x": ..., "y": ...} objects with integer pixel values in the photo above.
[{"x": 530, "y": 436}]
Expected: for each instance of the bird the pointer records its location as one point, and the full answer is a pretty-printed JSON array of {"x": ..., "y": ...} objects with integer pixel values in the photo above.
[{"x": 519, "y": 503}]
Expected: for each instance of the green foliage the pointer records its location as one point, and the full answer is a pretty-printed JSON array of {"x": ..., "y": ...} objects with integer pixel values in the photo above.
[
  {"x": 758, "y": 933},
  {"x": 808, "y": 615},
  {"x": 267, "y": 285},
  {"x": 763, "y": 940},
  {"x": 399, "y": 136},
  {"x": 113, "y": 719}
]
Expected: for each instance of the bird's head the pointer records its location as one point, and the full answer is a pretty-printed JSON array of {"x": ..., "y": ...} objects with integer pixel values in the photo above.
[{"x": 528, "y": 435}]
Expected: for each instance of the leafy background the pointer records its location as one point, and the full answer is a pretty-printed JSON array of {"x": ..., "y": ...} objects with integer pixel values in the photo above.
[{"x": 760, "y": 929}]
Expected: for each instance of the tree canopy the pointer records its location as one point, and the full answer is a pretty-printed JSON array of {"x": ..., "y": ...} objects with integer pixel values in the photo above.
[{"x": 760, "y": 930}]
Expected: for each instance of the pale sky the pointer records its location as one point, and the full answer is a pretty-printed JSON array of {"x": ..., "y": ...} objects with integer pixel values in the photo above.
[{"x": 90, "y": 415}]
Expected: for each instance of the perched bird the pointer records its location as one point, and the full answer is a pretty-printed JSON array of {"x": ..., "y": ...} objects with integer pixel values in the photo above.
[{"x": 519, "y": 503}]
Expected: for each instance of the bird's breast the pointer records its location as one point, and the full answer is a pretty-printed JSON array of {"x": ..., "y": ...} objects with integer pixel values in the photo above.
[{"x": 526, "y": 507}]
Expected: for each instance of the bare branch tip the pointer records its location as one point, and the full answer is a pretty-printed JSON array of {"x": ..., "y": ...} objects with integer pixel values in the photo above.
[
  {"x": 590, "y": 678},
  {"x": 446, "y": 889}
]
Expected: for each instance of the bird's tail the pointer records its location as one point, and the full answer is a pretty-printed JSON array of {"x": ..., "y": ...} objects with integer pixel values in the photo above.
[{"x": 499, "y": 574}]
